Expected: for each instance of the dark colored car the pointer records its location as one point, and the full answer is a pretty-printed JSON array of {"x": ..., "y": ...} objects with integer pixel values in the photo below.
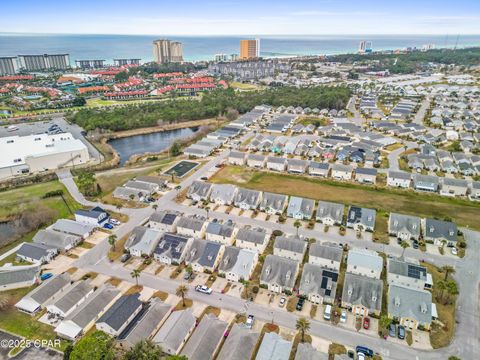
[
  {"x": 125, "y": 257},
  {"x": 300, "y": 303},
  {"x": 364, "y": 350},
  {"x": 401, "y": 332},
  {"x": 392, "y": 330}
]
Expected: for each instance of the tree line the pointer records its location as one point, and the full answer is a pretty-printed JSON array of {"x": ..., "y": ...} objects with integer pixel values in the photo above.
[{"x": 215, "y": 103}]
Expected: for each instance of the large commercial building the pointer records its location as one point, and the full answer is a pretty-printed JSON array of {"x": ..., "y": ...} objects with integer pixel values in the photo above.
[
  {"x": 249, "y": 49},
  {"x": 122, "y": 62},
  {"x": 90, "y": 64},
  {"x": 8, "y": 65},
  {"x": 365, "y": 47},
  {"x": 44, "y": 62},
  {"x": 22, "y": 155},
  {"x": 167, "y": 51}
]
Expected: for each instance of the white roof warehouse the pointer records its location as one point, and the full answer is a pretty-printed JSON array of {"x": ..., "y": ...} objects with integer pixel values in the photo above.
[{"x": 40, "y": 152}]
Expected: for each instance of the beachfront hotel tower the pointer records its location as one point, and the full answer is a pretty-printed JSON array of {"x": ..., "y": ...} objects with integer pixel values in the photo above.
[
  {"x": 249, "y": 49},
  {"x": 167, "y": 51}
]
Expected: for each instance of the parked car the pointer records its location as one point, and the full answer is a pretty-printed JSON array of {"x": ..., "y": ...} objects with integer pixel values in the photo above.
[
  {"x": 282, "y": 302},
  {"x": 114, "y": 222},
  {"x": 187, "y": 275},
  {"x": 327, "y": 314},
  {"x": 204, "y": 178},
  {"x": 343, "y": 316},
  {"x": 392, "y": 330},
  {"x": 125, "y": 257},
  {"x": 108, "y": 226},
  {"x": 300, "y": 303},
  {"x": 366, "y": 323},
  {"x": 415, "y": 244},
  {"x": 250, "y": 321},
  {"x": 401, "y": 332},
  {"x": 364, "y": 350},
  {"x": 454, "y": 251},
  {"x": 45, "y": 276},
  {"x": 360, "y": 356},
  {"x": 203, "y": 289}
]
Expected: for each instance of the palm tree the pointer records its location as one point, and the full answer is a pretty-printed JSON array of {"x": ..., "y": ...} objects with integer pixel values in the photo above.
[
  {"x": 135, "y": 274},
  {"x": 155, "y": 207},
  {"x": 119, "y": 206},
  {"x": 452, "y": 288},
  {"x": 385, "y": 322},
  {"x": 303, "y": 325},
  {"x": 246, "y": 287},
  {"x": 441, "y": 286},
  {"x": 207, "y": 209},
  {"x": 404, "y": 245},
  {"x": 4, "y": 301},
  {"x": 448, "y": 269},
  {"x": 112, "y": 239},
  {"x": 297, "y": 224},
  {"x": 182, "y": 291},
  {"x": 173, "y": 173}
]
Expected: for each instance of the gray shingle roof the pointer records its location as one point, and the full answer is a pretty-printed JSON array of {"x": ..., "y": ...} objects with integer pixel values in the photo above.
[
  {"x": 18, "y": 274},
  {"x": 240, "y": 344},
  {"x": 293, "y": 244},
  {"x": 200, "y": 188},
  {"x": 56, "y": 239},
  {"x": 439, "y": 229},
  {"x": 326, "y": 209},
  {"x": 273, "y": 346},
  {"x": 318, "y": 280},
  {"x": 192, "y": 223},
  {"x": 279, "y": 270},
  {"x": 399, "y": 175},
  {"x": 399, "y": 223},
  {"x": 34, "y": 251},
  {"x": 216, "y": 228},
  {"x": 73, "y": 296},
  {"x": 49, "y": 288},
  {"x": 326, "y": 252},
  {"x": 255, "y": 236},
  {"x": 410, "y": 303},
  {"x": 362, "y": 290},
  {"x": 403, "y": 268},
  {"x": 274, "y": 201},
  {"x": 306, "y": 351},
  {"x": 71, "y": 227},
  {"x": 121, "y": 311},
  {"x": 174, "y": 331}
]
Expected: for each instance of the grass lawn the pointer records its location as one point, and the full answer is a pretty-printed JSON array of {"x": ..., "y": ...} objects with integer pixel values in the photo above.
[
  {"x": 307, "y": 120},
  {"x": 463, "y": 212},
  {"x": 242, "y": 86},
  {"x": 441, "y": 336},
  {"x": 23, "y": 324}
]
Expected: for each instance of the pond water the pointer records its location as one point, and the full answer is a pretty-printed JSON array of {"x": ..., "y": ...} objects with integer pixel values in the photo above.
[{"x": 148, "y": 143}]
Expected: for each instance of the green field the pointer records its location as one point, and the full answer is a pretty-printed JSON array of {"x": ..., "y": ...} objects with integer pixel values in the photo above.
[{"x": 463, "y": 212}]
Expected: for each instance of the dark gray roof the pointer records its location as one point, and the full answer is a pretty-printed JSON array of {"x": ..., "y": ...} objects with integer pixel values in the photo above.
[
  {"x": 34, "y": 251},
  {"x": 121, "y": 311},
  {"x": 318, "y": 280},
  {"x": 306, "y": 351},
  {"x": 204, "y": 252},
  {"x": 364, "y": 216},
  {"x": 216, "y": 228},
  {"x": 171, "y": 245},
  {"x": 326, "y": 252},
  {"x": 404, "y": 223},
  {"x": 73, "y": 295},
  {"x": 18, "y": 274},
  {"x": 279, "y": 270},
  {"x": 362, "y": 290},
  {"x": 410, "y": 303},
  {"x": 49, "y": 288},
  {"x": 319, "y": 165},
  {"x": 200, "y": 188},
  {"x": 455, "y": 182},
  {"x": 366, "y": 171},
  {"x": 293, "y": 244},
  {"x": 399, "y": 175},
  {"x": 256, "y": 236},
  {"x": 229, "y": 259},
  {"x": 404, "y": 268},
  {"x": 439, "y": 229},
  {"x": 192, "y": 223},
  {"x": 240, "y": 344},
  {"x": 174, "y": 331},
  {"x": 166, "y": 217}
]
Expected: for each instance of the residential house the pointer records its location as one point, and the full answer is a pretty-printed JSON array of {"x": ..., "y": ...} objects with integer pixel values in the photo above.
[
  {"x": 404, "y": 227},
  {"x": 240, "y": 344},
  {"x": 273, "y": 346},
  {"x": 411, "y": 307},
  {"x": 172, "y": 248},
  {"x": 279, "y": 273},
  {"x": 402, "y": 273},
  {"x": 223, "y": 194},
  {"x": 71, "y": 299},
  {"x": 238, "y": 264},
  {"x": 252, "y": 239},
  {"x": 306, "y": 351},
  {"x": 236, "y": 158},
  {"x": 454, "y": 187},
  {"x": 15, "y": 277},
  {"x": 164, "y": 220},
  {"x": 399, "y": 179},
  {"x": 297, "y": 166},
  {"x": 300, "y": 208},
  {"x": 72, "y": 227},
  {"x": 364, "y": 262},
  {"x": 276, "y": 163},
  {"x": 256, "y": 161},
  {"x": 207, "y": 338},
  {"x": 273, "y": 204},
  {"x": 341, "y": 172},
  {"x": 204, "y": 255},
  {"x": 475, "y": 190},
  {"x": 36, "y": 253},
  {"x": 247, "y": 199},
  {"x": 290, "y": 247},
  {"x": 175, "y": 331},
  {"x": 319, "y": 169},
  {"x": 192, "y": 226},
  {"x": 55, "y": 239},
  {"x": 199, "y": 191},
  {"x": 361, "y": 218},
  {"x": 318, "y": 284},
  {"x": 439, "y": 231},
  {"x": 425, "y": 183},
  {"x": 330, "y": 213},
  {"x": 142, "y": 241},
  {"x": 362, "y": 295},
  {"x": 96, "y": 216},
  {"x": 84, "y": 317},
  {"x": 48, "y": 291},
  {"x": 120, "y": 315},
  {"x": 221, "y": 233},
  {"x": 366, "y": 175},
  {"x": 329, "y": 257}
]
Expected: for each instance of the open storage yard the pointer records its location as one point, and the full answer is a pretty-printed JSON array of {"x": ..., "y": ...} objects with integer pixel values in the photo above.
[{"x": 463, "y": 212}]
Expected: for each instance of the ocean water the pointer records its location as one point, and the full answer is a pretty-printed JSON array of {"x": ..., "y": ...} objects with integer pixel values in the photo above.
[{"x": 197, "y": 48}]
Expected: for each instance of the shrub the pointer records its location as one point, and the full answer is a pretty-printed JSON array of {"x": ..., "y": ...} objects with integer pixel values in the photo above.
[
  {"x": 287, "y": 292},
  {"x": 52, "y": 194},
  {"x": 263, "y": 286},
  {"x": 255, "y": 289},
  {"x": 277, "y": 233}
]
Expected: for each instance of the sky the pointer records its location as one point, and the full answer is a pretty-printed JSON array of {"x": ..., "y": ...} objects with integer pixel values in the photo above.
[{"x": 241, "y": 17}]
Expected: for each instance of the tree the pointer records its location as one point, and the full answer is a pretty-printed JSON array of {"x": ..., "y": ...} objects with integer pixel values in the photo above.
[
  {"x": 135, "y": 274},
  {"x": 86, "y": 183},
  {"x": 297, "y": 224},
  {"x": 385, "y": 322},
  {"x": 232, "y": 114},
  {"x": 182, "y": 291},
  {"x": 143, "y": 350},
  {"x": 173, "y": 173},
  {"x": 79, "y": 101},
  {"x": 448, "y": 269},
  {"x": 4, "y": 301},
  {"x": 121, "y": 76},
  {"x": 112, "y": 239},
  {"x": 246, "y": 288},
  {"x": 404, "y": 246},
  {"x": 68, "y": 350},
  {"x": 119, "y": 206},
  {"x": 452, "y": 289},
  {"x": 95, "y": 346},
  {"x": 175, "y": 149},
  {"x": 155, "y": 207},
  {"x": 207, "y": 210},
  {"x": 441, "y": 286},
  {"x": 189, "y": 269},
  {"x": 303, "y": 325}
]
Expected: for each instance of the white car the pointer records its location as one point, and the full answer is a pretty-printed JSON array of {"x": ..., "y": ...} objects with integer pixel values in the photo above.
[
  {"x": 360, "y": 356},
  {"x": 250, "y": 321},
  {"x": 114, "y": 222},
  {"x": 203, "y": 289},
  {"x": 454, "y": 251},
  {"x": 343, "y": 316},
  {"x": 282, "y": 302}
]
